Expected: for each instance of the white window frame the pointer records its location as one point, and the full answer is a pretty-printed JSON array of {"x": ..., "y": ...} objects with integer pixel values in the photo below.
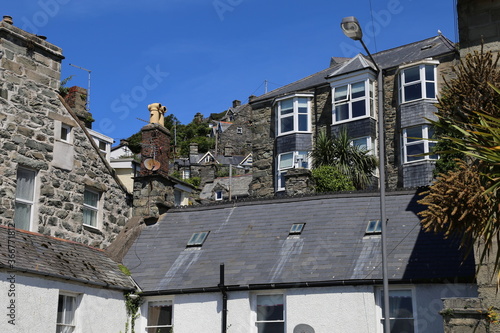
[
  {"x": 186, "y": 173},
  {"x": 158, "y": 303},
  {"x": 423, "y": 81},
  {"x": 30, "y": 202},
  {"x": 369, "y": 143},
  {"x": 426, "y": 141},
  {"x": 256, "y": 304},
  {"x": 369, "y": 98},
  {"x": 380, "y": 300},
  {"x": 281, "y": 170},
  {"x": 95, "y": 209},
  {"x": 67, "y": 326},
  {"x": 218, "y": 195},
  {"x": 239, "y": 130},
  {"x": 69, "y": 133},
  {"x": 294, "y": 114}
]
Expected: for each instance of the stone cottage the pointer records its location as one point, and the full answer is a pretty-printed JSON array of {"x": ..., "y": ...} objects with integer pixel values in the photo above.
[{"x": 54, "y": 177}]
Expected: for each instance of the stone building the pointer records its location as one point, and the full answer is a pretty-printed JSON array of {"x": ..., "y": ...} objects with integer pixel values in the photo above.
[
  {"x": 54, "y": 178},
  {"x": 344, "y": 95}
]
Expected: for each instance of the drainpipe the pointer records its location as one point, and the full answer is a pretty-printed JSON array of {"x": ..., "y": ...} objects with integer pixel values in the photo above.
[{"x": 224, "y": 299}]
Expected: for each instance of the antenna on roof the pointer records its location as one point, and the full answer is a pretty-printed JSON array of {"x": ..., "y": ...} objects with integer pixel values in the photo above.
[{"x": 88, "y": 89}]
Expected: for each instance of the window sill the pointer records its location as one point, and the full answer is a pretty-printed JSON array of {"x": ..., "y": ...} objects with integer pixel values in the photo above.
[
  {"x": 419, "y": 162},
  {"x": 415, "y": 101},
  {"x": 351, "y": 120},
  {"x": 92, "y": 229},
  {"x": 294, "y": 132}
]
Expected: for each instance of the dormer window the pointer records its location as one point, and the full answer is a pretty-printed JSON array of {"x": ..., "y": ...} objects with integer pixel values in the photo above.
[
  {"x": 293, "y": 114},
  {"x": 417, "y": 82},
  {"x": 352, "y": 101}
]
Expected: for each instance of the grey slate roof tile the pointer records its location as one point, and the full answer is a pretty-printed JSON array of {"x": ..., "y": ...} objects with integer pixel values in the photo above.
[
  {"x": 44, "y": 255},
  {"x": 251, "y": 238}
]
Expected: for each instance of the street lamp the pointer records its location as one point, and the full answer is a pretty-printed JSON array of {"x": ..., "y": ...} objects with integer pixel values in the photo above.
[{"x": 351, "y": 28}]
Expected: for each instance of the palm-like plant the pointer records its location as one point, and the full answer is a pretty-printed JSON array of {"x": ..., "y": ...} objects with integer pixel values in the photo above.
[{"x": 353, "y": 161}]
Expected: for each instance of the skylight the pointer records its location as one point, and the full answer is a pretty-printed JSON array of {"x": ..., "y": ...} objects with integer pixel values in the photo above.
[
  {"x": 198, "y": 238},
  {"x": 374, "y": 227},
  {"x": 296, "y": 228}
]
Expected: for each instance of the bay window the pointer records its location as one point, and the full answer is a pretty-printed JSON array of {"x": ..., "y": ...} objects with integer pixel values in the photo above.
[
  {"x": 293, "y": 114},
  {"x": 352, "y": 101},
  {"x": 25, "y": 198},
  {"x": 290, "y": 160},
  {"x": 159, "y": 317},
  {"x": 417, "y": 142},
  {"x": 270, "y": 314},
  {"x": 417, "y": 82},
  {"x": 365, "y": 143}
]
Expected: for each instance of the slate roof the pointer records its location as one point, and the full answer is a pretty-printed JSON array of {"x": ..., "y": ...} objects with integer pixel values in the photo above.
[
  {"x": 252, "y": 240},
  {"x": 48, "y": 256},
  {"x": 427, "y": 48}
]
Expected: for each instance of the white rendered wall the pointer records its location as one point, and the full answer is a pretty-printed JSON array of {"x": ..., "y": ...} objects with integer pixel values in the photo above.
[
  {"x": 328, "y": 309},
  {"x": 99, "y": 310}
]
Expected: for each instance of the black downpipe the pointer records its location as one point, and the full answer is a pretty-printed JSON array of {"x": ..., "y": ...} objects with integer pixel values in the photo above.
[
  {"x": 316, "y": 111},
  {"x": 222, "y": 288}
]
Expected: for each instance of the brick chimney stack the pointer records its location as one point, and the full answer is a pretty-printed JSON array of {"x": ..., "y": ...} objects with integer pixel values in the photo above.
[
  {"x": 77, "y": 100},
  {"x": 155, "y": 143},
  {"x": 236, "y": 103}
]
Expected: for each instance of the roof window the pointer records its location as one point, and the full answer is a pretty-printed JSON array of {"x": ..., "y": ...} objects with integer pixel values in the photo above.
[
  {"x": 374, "y": 227},
  {"x": 296, "y": 228},
  {"x": 197, "y": 239}
]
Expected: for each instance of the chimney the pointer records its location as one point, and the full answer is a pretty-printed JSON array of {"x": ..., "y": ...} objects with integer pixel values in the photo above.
[
  {"x": 236, "y": 103},
  {"x": 155, "y": 143},
  {"x": 193, "y": 148},
  {"x": 77, "y": 100},
  {"x": 8, "y": 19}
]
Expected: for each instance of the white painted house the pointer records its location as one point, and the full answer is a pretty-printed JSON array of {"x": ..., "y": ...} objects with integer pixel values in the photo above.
[
  {"x": 52, "y": 285},
  {"x": 308, "y": 264}
]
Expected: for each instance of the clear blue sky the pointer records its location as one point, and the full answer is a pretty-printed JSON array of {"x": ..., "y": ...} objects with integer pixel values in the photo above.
[{"x": 200, "y": 55}]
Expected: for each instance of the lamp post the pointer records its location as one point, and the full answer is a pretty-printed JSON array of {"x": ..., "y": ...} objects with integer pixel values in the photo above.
[{"x": 351, "y": 28}]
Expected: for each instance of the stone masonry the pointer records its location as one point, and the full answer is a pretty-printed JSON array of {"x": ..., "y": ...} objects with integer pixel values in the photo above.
[{"x": 31, "y": 115}]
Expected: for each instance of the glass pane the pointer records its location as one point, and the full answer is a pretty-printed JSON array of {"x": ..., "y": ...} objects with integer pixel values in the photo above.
[
  {"x": 402, "y": 326},
  {"x": 414, "y": 134},
  {"x": 64, "y": 329},
  {"x": 271, "y": 327},
  {"x": 359, "y": 109},
  {"x": 303, "y": 105},
  {"x": 303, "y": 122},
  {"x": 22, "y": 216},
  {"x": 358, "y": 90},
  {"x": 25, "y": 184},
  {"x": 269, "y": 307},
  {"x": 413, "y": 92},
  {"x": 286, "y": 124},
  {"x": 89, "y": 217},
  {"x": 340, "y": 93},
  {"x": 64, "y": 133},
  {"x": 429, "y": 72},
  {"x": 286, "y": 106},
  {"x": 412, "y": 74},
  {"x": 60, "y": 309},
  {"x": 303, "y": 155},
  {"x": 413, "y": 150},
  {"x": 286, "y": 161},
  {"x": 361, "y": 143},
  {"x": 159, "y": 330},
  {"x": 160, "y": 315},
  {"x": 431, "y": 148},
  {"x": 341, "y": 112},
  {"x": 70, "y": 310},
  {"x": 430, "y": 90},
  {"x": 90, "y": 198}
]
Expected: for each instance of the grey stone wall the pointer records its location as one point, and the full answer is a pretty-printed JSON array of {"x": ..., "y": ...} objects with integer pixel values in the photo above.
[
  {"x": 240, "y": 141},
  {"x": 31, "y": 113}
]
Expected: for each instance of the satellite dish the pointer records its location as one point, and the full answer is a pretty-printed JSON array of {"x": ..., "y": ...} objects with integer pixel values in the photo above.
[
  {"x": 303, "y": 328},
  {"x": 151, "y": 164}
]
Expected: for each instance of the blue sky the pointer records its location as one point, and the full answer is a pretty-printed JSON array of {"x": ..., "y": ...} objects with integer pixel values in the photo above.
[{"x": 200, "y": 55}]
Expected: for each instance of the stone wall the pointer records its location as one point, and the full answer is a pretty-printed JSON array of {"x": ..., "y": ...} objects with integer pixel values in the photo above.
[
  {"x": 239, "y": 135},
  {"x": 31, "y": 115}
]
